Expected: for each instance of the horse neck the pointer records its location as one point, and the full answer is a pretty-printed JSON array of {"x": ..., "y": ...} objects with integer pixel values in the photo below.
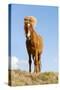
[{"x": 32, "y": 32}]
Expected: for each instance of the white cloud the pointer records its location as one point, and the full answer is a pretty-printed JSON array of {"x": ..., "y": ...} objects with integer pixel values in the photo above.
[
  {"x": 15, "y": 63},
  {"x": 19, "y": 64}
]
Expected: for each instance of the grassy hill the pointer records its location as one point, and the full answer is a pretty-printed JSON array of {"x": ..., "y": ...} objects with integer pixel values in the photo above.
[{"x": 19, "y": 78}]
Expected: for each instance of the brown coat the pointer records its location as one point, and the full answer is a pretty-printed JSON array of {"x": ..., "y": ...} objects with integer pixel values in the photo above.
[{"x": 34, "y": 45}]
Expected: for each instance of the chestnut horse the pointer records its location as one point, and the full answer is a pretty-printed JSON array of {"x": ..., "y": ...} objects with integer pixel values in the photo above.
[{"x": 34, "y": 43}]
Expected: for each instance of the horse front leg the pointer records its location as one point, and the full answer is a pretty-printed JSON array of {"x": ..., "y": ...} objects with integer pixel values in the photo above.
[
  {"x": 39, "y": 62},
  {"x": 36, "y": 69},
  {"x": 34, "y": 63},
  {"x": 30, "y": 61}
]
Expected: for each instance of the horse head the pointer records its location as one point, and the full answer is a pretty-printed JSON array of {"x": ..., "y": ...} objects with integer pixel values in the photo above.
[{"x": 29, "y": 22}]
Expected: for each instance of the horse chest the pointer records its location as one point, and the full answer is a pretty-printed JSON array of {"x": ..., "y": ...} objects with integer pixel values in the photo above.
[{"x": 30, "y": 46}]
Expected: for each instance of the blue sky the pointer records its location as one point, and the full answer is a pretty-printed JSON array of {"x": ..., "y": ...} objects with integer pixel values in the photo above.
[{"x": 47, "y": 27}]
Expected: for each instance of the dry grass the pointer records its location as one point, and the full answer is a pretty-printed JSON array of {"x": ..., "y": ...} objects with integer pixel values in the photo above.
[{"x": 20, "y": 78}]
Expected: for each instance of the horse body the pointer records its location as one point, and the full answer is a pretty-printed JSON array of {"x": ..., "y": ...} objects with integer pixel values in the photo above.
[
  {"x": 35, "y": 43},
  {"x": 34, "y": 47}
]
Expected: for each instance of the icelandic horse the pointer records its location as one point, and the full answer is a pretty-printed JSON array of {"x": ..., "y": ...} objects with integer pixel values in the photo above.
[{"x": 34, "y": 43}]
